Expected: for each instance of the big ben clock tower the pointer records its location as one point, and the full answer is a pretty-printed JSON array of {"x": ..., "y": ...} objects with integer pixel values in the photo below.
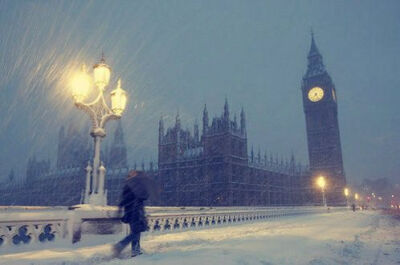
[{"x": 323, "y": 137}]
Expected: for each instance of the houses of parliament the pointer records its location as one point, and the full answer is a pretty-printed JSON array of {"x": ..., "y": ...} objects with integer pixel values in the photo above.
[{"x": 210, "y": 166}]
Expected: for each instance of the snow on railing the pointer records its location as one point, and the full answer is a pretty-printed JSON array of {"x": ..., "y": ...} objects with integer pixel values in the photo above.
[
  {"x": 20, "y": 226},
  {"x": 171, "y": 222}
]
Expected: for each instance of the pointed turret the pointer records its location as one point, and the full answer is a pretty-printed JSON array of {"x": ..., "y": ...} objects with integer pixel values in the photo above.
[
  {"x": 243, "y": 122},
  {"x": 235, "y": 122},
  {"x": 161, "y": 130},
  {"x": 117, "y": 156},
  {"x": 292, "y": 163},
  {"x": 315, "y": 63},
  {"x": 313, "y": 49},
  {"x": 226, "y": 110},
  {"x": 177, "y": 120},
  {"x": 151, "y": 166},
  {"x": 205, "y": 120},
  {"x": 119, "y": 134},
  {"x": 265, "y": 158},
  {"x": 178, "y": 133},
  {"x": 196, "y": 131},
  {"x": 11, "y": 176}
]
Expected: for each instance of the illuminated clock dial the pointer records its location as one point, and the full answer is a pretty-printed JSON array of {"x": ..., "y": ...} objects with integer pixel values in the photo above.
[{"x": 315, "y": 94}]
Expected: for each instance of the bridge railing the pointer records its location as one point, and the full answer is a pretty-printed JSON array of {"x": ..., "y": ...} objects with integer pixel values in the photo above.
[{"x": 27, "y": 225}]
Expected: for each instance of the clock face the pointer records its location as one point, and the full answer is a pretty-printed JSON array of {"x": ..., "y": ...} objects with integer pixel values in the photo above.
[{"x": 315, "y": 94}]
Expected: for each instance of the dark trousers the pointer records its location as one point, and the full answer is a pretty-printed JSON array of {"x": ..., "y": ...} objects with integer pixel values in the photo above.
[{"x": 133, "y": 238}]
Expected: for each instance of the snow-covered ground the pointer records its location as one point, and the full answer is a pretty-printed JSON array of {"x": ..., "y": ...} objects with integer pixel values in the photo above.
[{"x": 367, "y": 237}]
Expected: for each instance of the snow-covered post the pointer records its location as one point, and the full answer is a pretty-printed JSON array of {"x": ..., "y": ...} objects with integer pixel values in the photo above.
[
  {"x": 102, "y": 173},
  {"x": 100, "y": 113},
  {"x": 87, "y": 188},
  {"x": 96, "y": 160},
  {"x": 324, "y": 198}
]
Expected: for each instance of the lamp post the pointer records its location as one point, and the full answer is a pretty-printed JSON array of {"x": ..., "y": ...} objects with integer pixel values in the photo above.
[
  {"x": 356, "y": 197},
  {"x": 322, "y": 183},
  {"x": 100, "y": 113},
  {"x": 347, "y": 193}
]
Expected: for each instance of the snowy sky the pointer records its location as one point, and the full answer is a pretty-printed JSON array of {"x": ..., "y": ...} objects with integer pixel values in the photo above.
[{"x": 182, "y": 54}]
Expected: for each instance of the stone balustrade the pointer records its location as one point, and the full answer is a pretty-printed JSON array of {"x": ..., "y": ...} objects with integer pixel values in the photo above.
[
  {"x": 26, "y": 225},
  {"x": 19, "y": 225}
]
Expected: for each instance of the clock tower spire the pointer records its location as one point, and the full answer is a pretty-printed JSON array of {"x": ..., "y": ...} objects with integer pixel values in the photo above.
[{"x": 323, "y": 136}]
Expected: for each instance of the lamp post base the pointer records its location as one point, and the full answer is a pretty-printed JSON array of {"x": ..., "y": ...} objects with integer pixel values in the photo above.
[{"x": 97, "y": 199}]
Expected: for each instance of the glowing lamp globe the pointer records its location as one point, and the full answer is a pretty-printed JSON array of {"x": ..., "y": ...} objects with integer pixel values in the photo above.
[
  {"x": 356, "y": 196},
  {"x": 346, "y": 192},
  {"x": 321, "y": 182},
  {"x": 118, "y": 99},
  {"x": 80, "y": 85},
  {"x": 101, "y": 74}
]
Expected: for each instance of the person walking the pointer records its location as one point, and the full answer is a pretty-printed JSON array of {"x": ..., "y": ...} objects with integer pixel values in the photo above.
[{"x": 133, "y": 196}]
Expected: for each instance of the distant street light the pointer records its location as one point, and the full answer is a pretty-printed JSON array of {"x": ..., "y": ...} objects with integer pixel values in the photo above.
[
  {"x": 356, "y": 196},
  {"x": 321, "y": 183},
  {"x": 100, "y": 113},
  {"x": 347, "y": 193}
]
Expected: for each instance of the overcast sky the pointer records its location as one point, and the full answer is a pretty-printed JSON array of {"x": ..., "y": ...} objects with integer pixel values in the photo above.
[{"x": 182, "y": 54}]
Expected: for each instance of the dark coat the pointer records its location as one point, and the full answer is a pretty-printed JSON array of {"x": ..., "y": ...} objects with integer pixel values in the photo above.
[{"x": 134, "y": 213}]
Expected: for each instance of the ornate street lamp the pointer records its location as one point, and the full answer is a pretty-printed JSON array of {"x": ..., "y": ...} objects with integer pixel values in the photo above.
[
  {"x": 321, "y": 183},
  {"x": 100, "y": 113}
]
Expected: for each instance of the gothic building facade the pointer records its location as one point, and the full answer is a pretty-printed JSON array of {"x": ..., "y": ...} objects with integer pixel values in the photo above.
[{"x": 214, "y": 168}]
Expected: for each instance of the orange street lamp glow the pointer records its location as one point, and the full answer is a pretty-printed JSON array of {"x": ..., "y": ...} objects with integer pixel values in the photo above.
[
  {"x": 118, "y": 99},
  {"x": 80, "y": 85},
  {"x": 321, "y": 182},
  {"x": 346, "y": 192},
  {"x": 101, "y": 73}
]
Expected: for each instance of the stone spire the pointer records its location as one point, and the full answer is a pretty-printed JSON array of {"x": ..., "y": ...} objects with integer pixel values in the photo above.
[
  {"x": 235, "y": 122},
  {"x": 243, "y": 122},
  {"x": 196, "y": 131},
  {"x": 11, "y": 176},
  {"x": 205, "y": 120},
  {"x": 119, "y": 134},
  {"x": 160, "y": 130},
  {"x": 117, "y": 156},
  {"x": 315, "y": 64},
  {"x": 177, "y": 120},
  {"x": 226, "y": 110},
  {"x": 178, "y": 133},
  {"x": 265, "y": 158},
  {"x": 313, "y": 49},
  {"x": 292, "y": 163}
]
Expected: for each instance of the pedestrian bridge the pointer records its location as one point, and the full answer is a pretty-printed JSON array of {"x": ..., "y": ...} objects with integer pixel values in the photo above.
[{"x": 48, "y": 225}]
